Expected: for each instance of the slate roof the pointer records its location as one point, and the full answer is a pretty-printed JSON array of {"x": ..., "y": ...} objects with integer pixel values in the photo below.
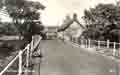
[{"x": 69, "y": 23}]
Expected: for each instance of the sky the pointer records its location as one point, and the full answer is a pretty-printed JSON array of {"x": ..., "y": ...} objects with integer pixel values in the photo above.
[{"x": 56, "y": 10}]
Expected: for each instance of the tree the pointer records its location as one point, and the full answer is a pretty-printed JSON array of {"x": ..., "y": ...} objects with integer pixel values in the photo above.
[
  {"x": 103, "y": 22},
  {"x": 25, "y": 15}
]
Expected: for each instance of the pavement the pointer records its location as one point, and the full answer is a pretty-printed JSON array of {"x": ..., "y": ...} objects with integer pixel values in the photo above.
[{"x": 61, "y": 58}]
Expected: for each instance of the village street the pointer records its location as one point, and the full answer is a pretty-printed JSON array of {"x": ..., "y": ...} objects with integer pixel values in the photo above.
[{"x": 64, "y": 59}]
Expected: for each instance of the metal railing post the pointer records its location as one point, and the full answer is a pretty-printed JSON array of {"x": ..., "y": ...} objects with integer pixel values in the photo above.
[
  {"x": 108, "y": 43},
  {"x": 89, "y": 42},
  {"x": 118, "y": 49},
  {"x": 86, "y": 43},
  {"x": 28, "y": 55},
  {"x": 31, "y": 47},
  {"x": 114, "y": 48},
  {"x": 20, "y": 63},
  {"x": 27, "y": 60},
  {"x": 98, "y": 44},
  {"x": 63, "y": 36}
]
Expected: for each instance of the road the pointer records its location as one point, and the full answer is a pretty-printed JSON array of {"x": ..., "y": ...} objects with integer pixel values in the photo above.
[{"x": 64, "y": 59}]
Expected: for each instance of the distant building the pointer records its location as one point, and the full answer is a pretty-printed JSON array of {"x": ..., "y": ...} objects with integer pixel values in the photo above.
[
  {"x": 71, "y": 28},
  {"x": 51, "y": 32}
]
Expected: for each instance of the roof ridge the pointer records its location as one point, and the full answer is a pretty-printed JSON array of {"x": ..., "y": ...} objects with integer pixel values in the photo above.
[{"x": 70, "y": 22}]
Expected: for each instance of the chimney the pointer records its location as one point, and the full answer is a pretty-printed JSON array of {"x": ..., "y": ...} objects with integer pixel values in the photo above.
[{"x": 74, "y": 16}]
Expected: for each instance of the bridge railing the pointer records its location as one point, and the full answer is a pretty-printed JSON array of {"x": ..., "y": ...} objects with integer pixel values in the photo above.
[{"x": 20, "y": 63}]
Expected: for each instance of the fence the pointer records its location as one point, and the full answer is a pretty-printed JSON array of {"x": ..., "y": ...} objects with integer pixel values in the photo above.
[
  {"x": 23, "y": 58},
  {"x": 111, "y": 47}
]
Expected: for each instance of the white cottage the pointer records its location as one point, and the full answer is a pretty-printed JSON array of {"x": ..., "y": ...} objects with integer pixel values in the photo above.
[{"x": 71, "y": 28}]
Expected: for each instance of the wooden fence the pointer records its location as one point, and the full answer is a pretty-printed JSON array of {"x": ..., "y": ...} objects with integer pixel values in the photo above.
[
  {"x": 99, "y": 45},
  {"x": 114, "y": 47}
]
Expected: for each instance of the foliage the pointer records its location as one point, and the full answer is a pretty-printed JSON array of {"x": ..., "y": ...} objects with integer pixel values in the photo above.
[
  {"x": 103, "y": 22},
  {"x": 25, "y": 15}
]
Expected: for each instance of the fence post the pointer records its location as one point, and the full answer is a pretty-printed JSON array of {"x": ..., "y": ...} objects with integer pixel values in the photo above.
[
  {"x": 114, "y": 48},
  {"x": 20, "y": 63},
  {"x": 31, "y": 46},
  {"x": 98, "y": 44},
  {"x": 28, "y": 52},
  {"x": 81, "y": 43},
  {"x": 118, "y": 54},
  {"x": 63, "y": 36},
  {"x": 86, "y": 43},
  {"x": 89, "y": 43},
  {"x": 27, "y": 59},
  {"x": 108, "y": 43}
]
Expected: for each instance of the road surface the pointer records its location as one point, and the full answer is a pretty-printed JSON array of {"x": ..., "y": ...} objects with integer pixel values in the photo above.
[{"x": 64, "y": 59}]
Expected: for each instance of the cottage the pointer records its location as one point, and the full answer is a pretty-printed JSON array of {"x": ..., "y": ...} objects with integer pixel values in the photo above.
[
  {"x": 71, "y": 28},
  {"x": 51, "y": 32}
]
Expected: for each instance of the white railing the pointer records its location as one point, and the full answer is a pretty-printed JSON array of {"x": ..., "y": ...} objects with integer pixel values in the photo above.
[
  {"x": 23, "y": 54},
  {"x": 114, "y": 47}
]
